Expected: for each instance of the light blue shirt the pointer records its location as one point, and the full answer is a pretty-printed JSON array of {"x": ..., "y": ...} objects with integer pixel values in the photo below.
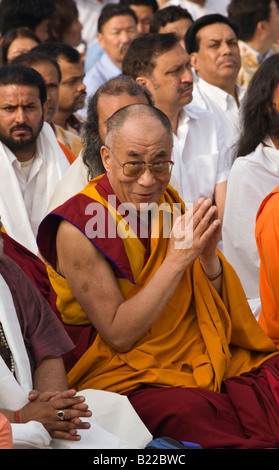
[{"x": 103, "y": 70}]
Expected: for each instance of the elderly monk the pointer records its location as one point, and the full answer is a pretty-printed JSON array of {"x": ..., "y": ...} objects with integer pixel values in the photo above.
[{"x": 174, "y": 331}]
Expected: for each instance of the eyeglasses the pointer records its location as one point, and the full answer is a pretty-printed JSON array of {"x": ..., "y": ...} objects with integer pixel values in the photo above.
[{"x": 136, "y": 169}]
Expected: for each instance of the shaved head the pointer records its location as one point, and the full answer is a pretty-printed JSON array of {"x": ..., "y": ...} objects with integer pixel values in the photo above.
[{"x": 119, "y": 118}]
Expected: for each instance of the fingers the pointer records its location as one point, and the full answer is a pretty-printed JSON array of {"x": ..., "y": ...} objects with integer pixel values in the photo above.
[
  {"x": 65, "y": 394},
  {"x": 67, "y": 427},
  {"x": 71, "y": 435},
  {"x": 203, "y": 213},
  {"x": 67, "y": 402},
  {"x": 70, "y": 414}
]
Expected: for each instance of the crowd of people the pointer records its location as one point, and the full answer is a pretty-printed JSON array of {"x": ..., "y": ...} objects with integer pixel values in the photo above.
[{"x": 139, "y": 248}]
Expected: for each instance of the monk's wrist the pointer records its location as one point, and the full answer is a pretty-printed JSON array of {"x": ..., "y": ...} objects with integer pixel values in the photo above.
[{"x": 212, "y": 267}]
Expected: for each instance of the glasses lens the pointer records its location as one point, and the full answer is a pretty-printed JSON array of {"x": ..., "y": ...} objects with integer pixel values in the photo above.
[
  {"x": 134, "y": 169},
  {"x": 161, "y": 168}
]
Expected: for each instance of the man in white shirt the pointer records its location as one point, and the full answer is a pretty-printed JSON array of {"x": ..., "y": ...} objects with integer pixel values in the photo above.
[
  {"x": 201, "y": 167},
  {"x": 31, "y": 159},
  {"x": 258, "y": 26},
  {"x": 117, "y": 27},
  {"x": 212, "y": 44}
]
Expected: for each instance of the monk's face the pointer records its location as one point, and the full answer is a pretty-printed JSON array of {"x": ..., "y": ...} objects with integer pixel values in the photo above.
[{"x": 140, "y": 139}]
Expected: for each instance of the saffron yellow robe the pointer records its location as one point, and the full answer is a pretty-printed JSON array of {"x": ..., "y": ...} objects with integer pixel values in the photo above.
[{"x": 199, "y": 340}]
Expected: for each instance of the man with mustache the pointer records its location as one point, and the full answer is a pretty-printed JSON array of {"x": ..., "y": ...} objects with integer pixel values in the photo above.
[
  {"x": 201, "y": 159},
  {"x": 31, "y": 159},
  {"x": 213, "y": 47},
  {"x": 72, "y": 90}
]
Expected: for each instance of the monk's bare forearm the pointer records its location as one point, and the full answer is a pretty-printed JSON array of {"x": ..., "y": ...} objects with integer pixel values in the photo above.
[{"x": 136, "y": 316}]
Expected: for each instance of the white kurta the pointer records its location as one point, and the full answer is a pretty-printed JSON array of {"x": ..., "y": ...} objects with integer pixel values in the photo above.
[
  {"x": 201, "y": 158},
  {"x": 22, "y": 207},
  {"x": 251, "y": 179},
  {"x": 222, "y": 105}
]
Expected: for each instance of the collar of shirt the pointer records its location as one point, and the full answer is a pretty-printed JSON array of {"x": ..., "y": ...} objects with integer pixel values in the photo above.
[
  {"x": 224, "y": 99},
  {"x": 259, "y": 57},
  {"x": 106, "y": 63},
  {"x": 36, "y": 165},
  {"x": 186, "y": 114}
]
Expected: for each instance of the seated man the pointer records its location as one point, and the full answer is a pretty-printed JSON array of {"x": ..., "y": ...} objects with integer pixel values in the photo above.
[
  {"x": 173, "y": 325},
  {"x": 32, "y": 343},
  {"x": 31, "y": 349}
]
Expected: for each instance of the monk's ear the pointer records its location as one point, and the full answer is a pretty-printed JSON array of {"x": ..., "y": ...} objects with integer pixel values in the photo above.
[{"x": 105, "y": 158}]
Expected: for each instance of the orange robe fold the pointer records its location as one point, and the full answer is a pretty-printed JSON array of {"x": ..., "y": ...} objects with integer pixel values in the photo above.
[{"x": 267, "y": 238}]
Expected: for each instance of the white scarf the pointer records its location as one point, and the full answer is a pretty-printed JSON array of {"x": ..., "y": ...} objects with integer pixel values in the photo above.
[{"x": 12, "y": 208}]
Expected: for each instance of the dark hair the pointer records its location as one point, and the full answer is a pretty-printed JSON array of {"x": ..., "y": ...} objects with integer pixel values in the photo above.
[
  {"x": 148, "y": 3},
  {"x": 91, "y": 137},
  {"x": 65, "y": 14},
  {"x": 111, "y": 10},
  {"x": 33, "y": 57},
  {"x": 258, "y": 98},
  {"x": 59, "y": 49},
  {"x": 192, "y": 43},
  {"x": 13, "y": 34},
  {"x": 14, "y": 74},
  {"x": 140, "y": 58},
  {"x": 28, "y": 13},
  {"x": 168, "y": 15},
  {"x": 246, "y": 14}
]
